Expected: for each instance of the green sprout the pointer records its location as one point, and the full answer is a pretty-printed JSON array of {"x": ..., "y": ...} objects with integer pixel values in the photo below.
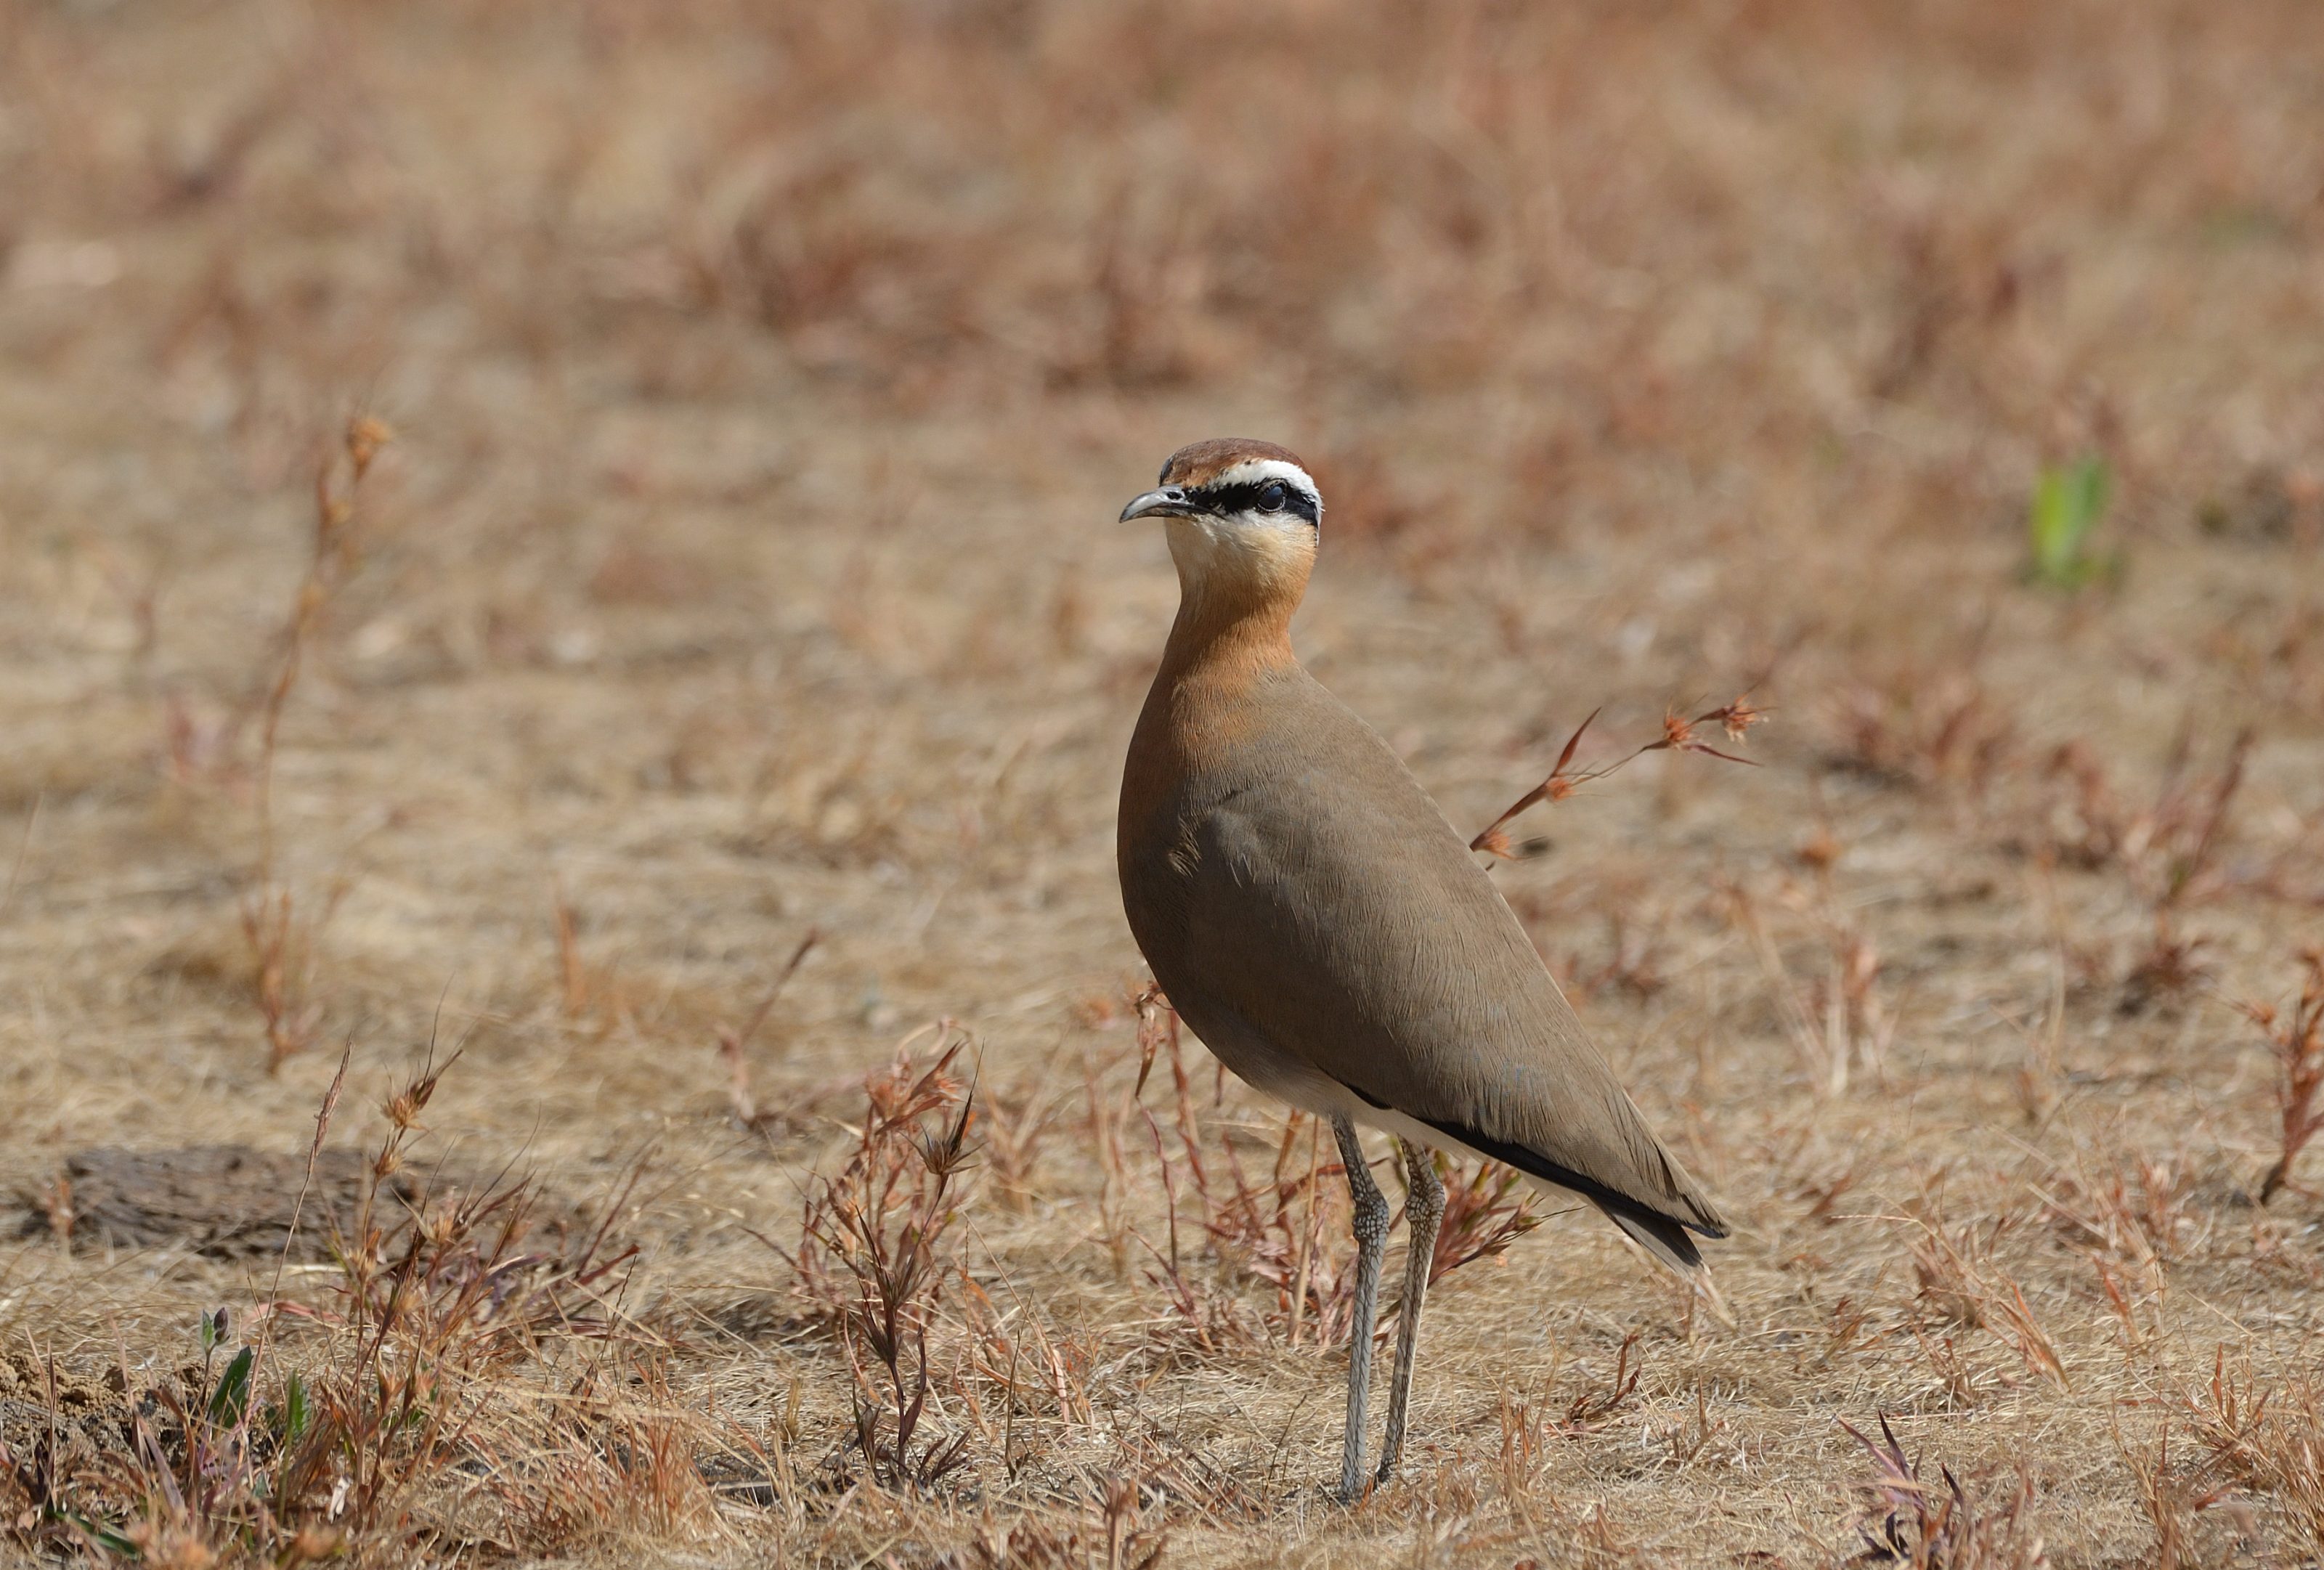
[{"x": 2068, "y": 501}]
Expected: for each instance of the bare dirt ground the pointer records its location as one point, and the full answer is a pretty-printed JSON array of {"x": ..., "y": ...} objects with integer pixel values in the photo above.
[{"x": 757, "y": 388}]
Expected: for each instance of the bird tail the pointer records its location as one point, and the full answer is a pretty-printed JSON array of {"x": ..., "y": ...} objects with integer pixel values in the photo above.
[
  {"x": 1664, "y": 1239},
  {"x": 1669, "y": 1244}
]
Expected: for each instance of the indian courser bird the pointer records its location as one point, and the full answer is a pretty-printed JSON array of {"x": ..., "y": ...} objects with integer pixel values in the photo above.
[{"x": 1320, "y": 925}]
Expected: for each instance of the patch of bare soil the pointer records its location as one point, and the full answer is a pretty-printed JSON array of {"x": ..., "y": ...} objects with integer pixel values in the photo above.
[{"x": 231, "y": 1202}]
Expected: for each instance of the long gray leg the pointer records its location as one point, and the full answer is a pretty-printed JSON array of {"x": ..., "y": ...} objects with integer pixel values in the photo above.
[
  {"x": 1371, "y": 1242},
  {"x": 1424, "y": 1208}
]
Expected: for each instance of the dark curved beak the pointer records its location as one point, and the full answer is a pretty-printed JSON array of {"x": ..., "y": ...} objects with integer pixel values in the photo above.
[{"x": 1169, "y": 502}]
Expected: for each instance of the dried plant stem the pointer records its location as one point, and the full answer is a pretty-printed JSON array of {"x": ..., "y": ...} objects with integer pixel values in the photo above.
[
  {"x": 882, "y": 1219},
  {"x": 2297, "y": 1039},
  {"x": 732, "y": 1042},
  {"x": 276, "y": 936},
  {"x": 1678, "y": 735}
]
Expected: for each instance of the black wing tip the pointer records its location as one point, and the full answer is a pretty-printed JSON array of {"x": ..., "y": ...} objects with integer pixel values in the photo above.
[
  {"x": 1669, "y": 1235},
  {"x": 1669, "y": 1230}
]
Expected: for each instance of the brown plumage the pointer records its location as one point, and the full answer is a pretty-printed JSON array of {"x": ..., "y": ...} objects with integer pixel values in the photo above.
[{"x": 1324, "y": 930}]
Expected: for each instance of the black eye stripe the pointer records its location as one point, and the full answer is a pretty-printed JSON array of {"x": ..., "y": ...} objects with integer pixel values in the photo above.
[{"x": 1225, "y": 499}]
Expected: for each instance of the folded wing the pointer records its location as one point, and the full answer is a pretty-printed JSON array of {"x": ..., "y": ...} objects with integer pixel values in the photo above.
[{"x": 1366, "y": 940}]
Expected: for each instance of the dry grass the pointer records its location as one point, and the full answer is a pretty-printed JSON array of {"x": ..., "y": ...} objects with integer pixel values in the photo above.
[{"x": 723, "y": 672}]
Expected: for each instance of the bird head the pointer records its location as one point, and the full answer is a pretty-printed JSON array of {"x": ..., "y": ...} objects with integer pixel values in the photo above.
[{"x": 1243, "y": 518}]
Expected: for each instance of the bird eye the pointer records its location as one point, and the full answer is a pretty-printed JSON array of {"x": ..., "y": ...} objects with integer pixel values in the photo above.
[{"x": 1272, "y": 496}]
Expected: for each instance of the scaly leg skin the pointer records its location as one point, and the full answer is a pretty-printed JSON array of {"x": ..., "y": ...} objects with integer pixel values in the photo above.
[
  {"x": 1424, "y": 1209},
  {"x": 1371, "y": 1242}
]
